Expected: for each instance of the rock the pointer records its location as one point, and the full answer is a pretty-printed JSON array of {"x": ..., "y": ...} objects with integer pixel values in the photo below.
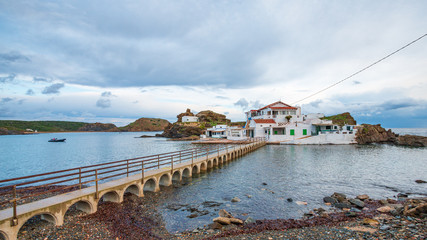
[
  {"x": 289, "y": 200},
  {"x": 402, "y": 195},
  {"x": 357, "y": 202},
  {"x": 235, "y": 199},
  {"x": 224, "y": 213},
  {"x": 249, "y": 220},
  {"x": 420, "y": 181},
  {"x": 371, "y": 222},
  {"x": 383, "y": 202},
  {"x": 329, "y": 200},
  {"x": 342, "y": 205},
  {"x": 211, "y": 204},
  {"x": 216, "y": 225},
  {"x": 328, "y": 204},
  {"x": 363, "y": 197},
  {"x": 385, "y": 227},
  {"x": 222, "y": 220},
  {"x": 264, "y": 183},
  {"x": 210, "y": 231},
  {"x": 385, "y": 209},
  {"x": 301, "y": 203},
  {"x": 186, "y": 113},
  {"x": 193, "y": 215},
  {"x": 236, "y": 221},
  {"x": 248, "y": 195},
  {"x": 196, "y": 230},
  {"x": 418, "y": 210},
  {"x": 351, "y": 214},
  {"x": 339, "y": 197}
]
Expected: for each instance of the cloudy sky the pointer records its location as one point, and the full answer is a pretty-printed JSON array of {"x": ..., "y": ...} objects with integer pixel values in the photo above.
[{"x": 117, "y": 61}]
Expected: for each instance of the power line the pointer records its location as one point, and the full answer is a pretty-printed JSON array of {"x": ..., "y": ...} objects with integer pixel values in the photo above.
[{"x": 363, "y": 69}]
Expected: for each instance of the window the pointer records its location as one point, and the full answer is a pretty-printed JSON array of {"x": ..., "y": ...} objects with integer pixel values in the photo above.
[
  {"x": 304, "y": 132},
  {"x": 328, "y": 127},
  {"x": 292, "y": 132}
]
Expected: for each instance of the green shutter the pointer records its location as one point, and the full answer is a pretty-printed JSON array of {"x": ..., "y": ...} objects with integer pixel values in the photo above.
[
  {"x": 275, "y": 132},
  {"x": 304, "y": 132},
  {"x": 292, "y": 132}
]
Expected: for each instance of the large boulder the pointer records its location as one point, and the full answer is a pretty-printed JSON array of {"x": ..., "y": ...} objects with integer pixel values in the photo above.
[
  {"x": 209, "y": 116},
  {"x": 178, "y": 130},
  {"x": 412, "y": 140},
  {"x": 367, "y": 134}
]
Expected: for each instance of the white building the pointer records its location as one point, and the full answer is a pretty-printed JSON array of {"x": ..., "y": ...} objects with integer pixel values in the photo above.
[
  {"x": 218, "y": 131},
  {"x": 190, "y": 119},
  {"x": 282, "y": 123}
]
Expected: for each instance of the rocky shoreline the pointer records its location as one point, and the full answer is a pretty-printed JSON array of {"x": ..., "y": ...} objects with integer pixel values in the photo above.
[
  {"x": 341, "y": 218},
  {"x": 369, "y": 134}
]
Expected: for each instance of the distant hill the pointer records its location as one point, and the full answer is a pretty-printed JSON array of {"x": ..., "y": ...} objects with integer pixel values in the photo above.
[
  {"x": 41, "y": 126},
  {"x": 341, "y": 119},
  {"x": 146, "y": 125}
]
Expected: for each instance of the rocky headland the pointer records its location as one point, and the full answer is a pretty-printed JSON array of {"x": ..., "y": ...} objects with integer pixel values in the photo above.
[
  {"x": 146, "y": 125},
  {"x": 99, "y": 127},
  {"x": 368, "y": 134},
  {"x": 192, "y": 131}
]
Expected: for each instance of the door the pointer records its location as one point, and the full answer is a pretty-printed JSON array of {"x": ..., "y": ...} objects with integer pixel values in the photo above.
[
  {"x": 292, "y": 132},
  {"x": 304, "y": 132}
]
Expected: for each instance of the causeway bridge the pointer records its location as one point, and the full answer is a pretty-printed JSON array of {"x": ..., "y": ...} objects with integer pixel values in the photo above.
[{"x": 50, "y": 195}]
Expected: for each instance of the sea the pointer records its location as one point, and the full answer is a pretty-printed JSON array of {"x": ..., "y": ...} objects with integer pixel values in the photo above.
[{"x": 268, "y": 181}]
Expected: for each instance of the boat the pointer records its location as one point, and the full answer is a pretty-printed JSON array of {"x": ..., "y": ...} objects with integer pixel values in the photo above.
[{"x": 57, "y": 140}]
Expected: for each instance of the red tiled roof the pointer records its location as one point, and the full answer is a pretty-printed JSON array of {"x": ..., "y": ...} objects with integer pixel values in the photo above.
[
  {"x": 264, "y": 121},
  {"x": 283, "y": 108},
  {"x": 269, "y": 106}
]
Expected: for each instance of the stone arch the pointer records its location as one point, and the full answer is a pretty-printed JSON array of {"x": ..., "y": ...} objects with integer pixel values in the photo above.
[
  {"x": 195, "y": 170},
  {"x": 215, "y": 161},
  {"x": 203, "y": 167},
  {"x": 176, "y": 176},
  {"x": 83, "y": 205},
  {"x": 44, "y": 216},
  {"x": 209, "y": 164},
  {"x": 150, "y": 185},
  {"x": 134, "y": 189},
  {"x": 220, "y": 160},
  {"x": 165, "y": 180},
  {"x": 186, "y": 173},
  {"x": 3, "y": 236},
  {"x": 111, "y": 196}
]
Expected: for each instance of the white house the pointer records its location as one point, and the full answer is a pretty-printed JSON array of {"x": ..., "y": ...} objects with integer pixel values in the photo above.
[
  {"x": 218, "y": 131},
  {"x": 282, "y": 123},
  {"x": 190, "y": 119}
]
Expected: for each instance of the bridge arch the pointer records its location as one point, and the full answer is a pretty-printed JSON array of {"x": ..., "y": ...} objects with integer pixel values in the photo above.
[
  {"x": 134, "y": 189},
  {"x": 82, "y": 205},
  {"x": 209, "y": 164},
  {"x": 186, "y": 173},
  {"x": 3, "y": 236},
  {"x": 176, "y": 176},
  {"x": 44, "y": 216},
  {"x": 111, "y": 196},
  {"x": 150, "y": 185},
  {"x": 195, "y": 170},
  {"x": 202, "y": 167},
  {"x": 165, "y": 180}
]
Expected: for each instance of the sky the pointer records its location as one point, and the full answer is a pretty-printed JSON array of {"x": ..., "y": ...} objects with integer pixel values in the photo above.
[{"x": 117, "y": 61}]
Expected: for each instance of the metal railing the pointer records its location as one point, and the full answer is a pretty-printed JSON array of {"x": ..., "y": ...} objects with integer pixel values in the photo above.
[{"x": 15, "y": 190}]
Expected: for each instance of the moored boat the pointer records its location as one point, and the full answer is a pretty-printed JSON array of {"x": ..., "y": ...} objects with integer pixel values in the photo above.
[{"x": 57, "y": 140}]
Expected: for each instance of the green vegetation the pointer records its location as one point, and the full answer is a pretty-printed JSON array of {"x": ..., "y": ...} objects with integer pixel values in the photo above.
[
  {"x": 41, "y": 126},
  {"x": 341, "y": 119}
]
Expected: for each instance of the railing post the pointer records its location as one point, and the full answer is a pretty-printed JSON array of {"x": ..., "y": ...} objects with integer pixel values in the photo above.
[
  {"x": 142, "y": 172},
  {"x": 180, "y": 156},
  {"x": 218, "y": 151},
  {"x": 15, "y": 218},
  {"x": 80, "y": 178},
  {"x": 158, "y": 161},
  {"x": 207, "y": 154},
  {"x": 127, "y": 168},
  {"x": 192, "y": 157},
  {"x": 96, "y": 183},
  {"x": 171, "y": 164}
]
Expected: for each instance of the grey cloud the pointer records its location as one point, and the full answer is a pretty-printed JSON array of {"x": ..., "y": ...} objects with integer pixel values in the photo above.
[
  {"x": 53, "y": 89},
  {"x": 243, "y": 103},
  {"x": 13, "y": 57},
  {"x": 103, "y": 103},
  {"x": 30, "y": 92},
  {"x": 5, "y": 112},
  {"x": 400, "y": 103},
  {"x": 225, "y": 113},
  {"x": 222, "y": 97},
  {"x": 257, "y": 104},
  {"x": 107, "y": 94},
  {"x": 6, "y": 99},
  {"x": 316, "y": 103},
  {"x": 356, "y": 82},
  {"x": 41, "y": 79},
  {"x": 9, "y": 78}
]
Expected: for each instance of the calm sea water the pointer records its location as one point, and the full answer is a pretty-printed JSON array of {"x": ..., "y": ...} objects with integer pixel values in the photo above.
[{"x": 303, "y": 173}]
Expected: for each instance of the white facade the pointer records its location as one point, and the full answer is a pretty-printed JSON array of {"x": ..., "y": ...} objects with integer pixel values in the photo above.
[
  {"x": 218, "y": 131},
  {"x": 280, "y": 122},
  {"x": 190, "y": 119}
]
